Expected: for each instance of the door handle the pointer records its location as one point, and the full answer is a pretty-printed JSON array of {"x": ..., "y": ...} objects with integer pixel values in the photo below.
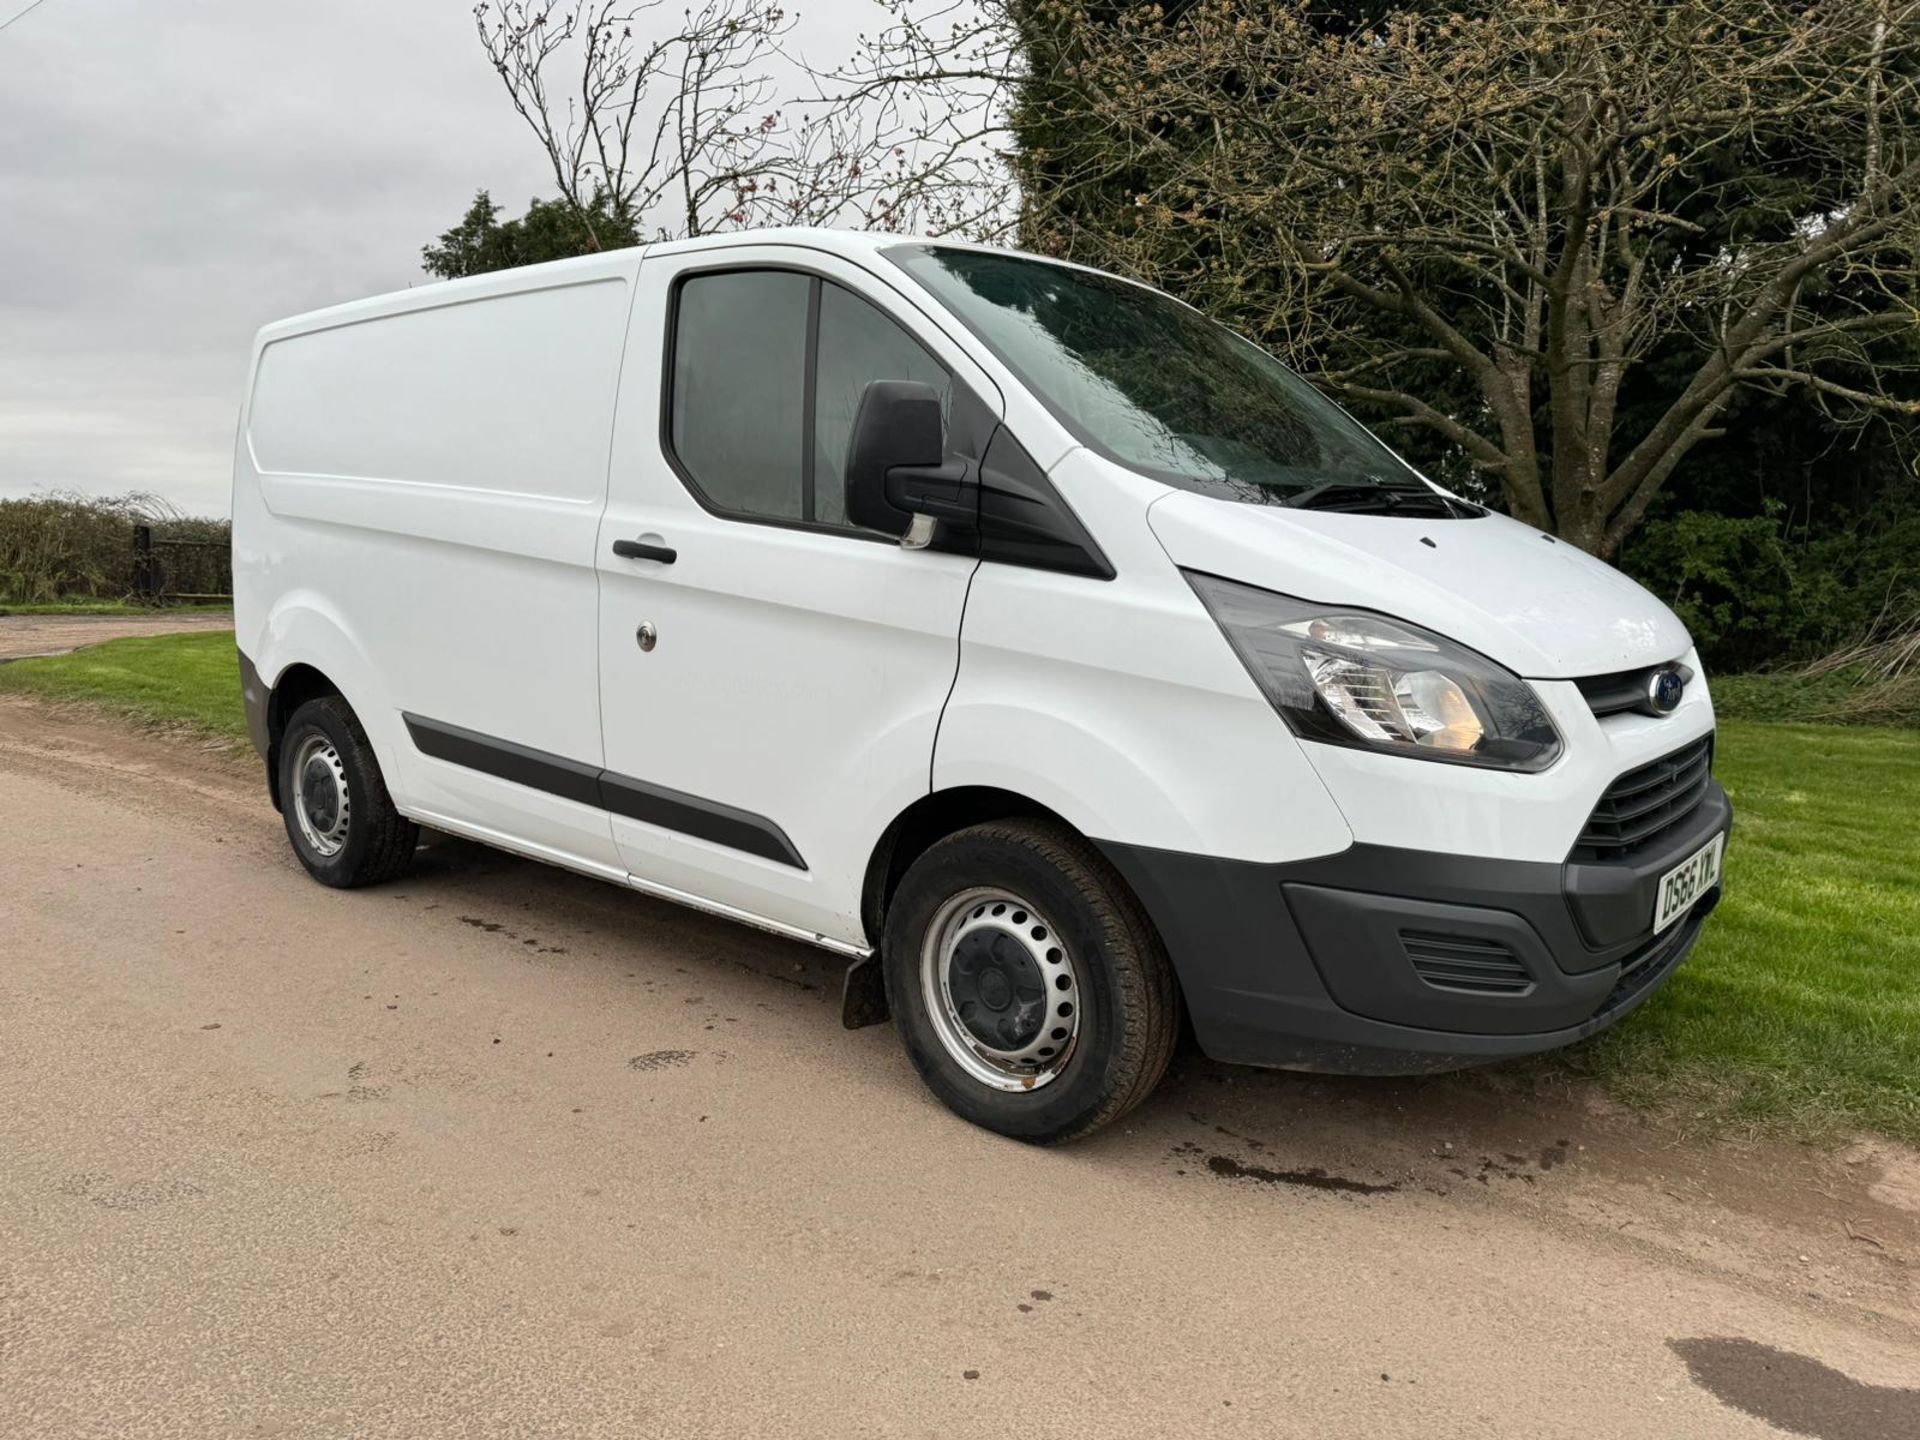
[{"x": 645, "y": 550}]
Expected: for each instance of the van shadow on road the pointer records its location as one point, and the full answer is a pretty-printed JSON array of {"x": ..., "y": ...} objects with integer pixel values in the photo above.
[{"x": 1798, "y": 1394}]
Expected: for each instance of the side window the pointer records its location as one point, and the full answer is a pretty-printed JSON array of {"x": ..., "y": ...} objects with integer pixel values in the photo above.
[
  {"x": 758, "y": 430},
  {"x": 858, "y": 345},
  {"x": 739, "y": 388}
]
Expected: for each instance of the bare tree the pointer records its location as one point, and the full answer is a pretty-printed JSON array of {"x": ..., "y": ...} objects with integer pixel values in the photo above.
[
  {"x": 686, "y": 128},
  {"x": 1518, "y": 205},
  {"x": 633, "y": 126},
  {"x": 923, "y": 105}
]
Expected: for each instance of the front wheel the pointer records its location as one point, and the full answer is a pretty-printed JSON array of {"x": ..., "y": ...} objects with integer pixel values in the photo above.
[
  {"x": 1031, "y": 990},
  {"x": 342, "y": 822}
]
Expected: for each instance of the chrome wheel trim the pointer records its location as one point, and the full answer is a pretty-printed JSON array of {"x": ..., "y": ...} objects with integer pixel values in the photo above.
[
  {"x": 980, "y": 925},
  {"x": 322, "y": 804}
]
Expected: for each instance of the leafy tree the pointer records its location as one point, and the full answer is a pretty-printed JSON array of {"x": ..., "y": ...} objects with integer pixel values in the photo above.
[
  {"x": 550, "y": 230},
  {"x": 1567, "y": 239}
]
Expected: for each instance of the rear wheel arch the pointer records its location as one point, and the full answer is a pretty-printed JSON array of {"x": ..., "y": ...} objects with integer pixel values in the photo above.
[
  {"x": 340, "y": 818},
  {"x": 294, "y": 687}
]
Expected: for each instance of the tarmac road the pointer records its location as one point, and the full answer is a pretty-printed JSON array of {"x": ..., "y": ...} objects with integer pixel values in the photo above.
[{"x": 500, "y": 1151}]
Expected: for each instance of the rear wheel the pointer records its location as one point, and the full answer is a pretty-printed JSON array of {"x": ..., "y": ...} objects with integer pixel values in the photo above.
[
  {"x": 1032, "y": 992},
  {"x": 342, "y": 822}
]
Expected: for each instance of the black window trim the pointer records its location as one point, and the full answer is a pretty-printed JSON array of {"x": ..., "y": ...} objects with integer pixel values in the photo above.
[{"x": 809, "y": 381}]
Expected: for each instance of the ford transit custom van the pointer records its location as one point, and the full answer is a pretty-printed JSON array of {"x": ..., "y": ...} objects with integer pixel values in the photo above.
[{"x": 1047, "y": 651}]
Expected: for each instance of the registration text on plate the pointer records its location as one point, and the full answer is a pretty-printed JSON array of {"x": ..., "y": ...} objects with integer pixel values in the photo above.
[{"x": 1687, "y": 882}]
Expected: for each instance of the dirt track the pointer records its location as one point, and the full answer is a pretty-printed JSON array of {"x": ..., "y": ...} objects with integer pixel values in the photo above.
[{"x": 499, "y": 1151}]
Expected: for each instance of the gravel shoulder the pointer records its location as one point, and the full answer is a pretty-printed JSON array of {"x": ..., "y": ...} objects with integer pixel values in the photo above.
[{"x": 497, "y": 1149}]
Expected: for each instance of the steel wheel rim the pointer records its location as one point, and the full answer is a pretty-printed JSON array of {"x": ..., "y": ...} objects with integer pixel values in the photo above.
[
  {"x": 322, "y": 806},
  {"x": 1002, "y": 992}
]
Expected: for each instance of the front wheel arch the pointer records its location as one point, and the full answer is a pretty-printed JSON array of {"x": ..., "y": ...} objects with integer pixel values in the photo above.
[
  {"x": 988, "y": 1056},
  {"x": 924, "y": 824}
]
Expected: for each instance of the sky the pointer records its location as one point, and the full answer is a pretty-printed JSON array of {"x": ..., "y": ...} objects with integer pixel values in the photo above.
[{"x": 176, "y": 173}]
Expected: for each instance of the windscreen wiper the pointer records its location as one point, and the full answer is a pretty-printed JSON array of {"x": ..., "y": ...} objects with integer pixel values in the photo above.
[{"x": 1359, "y": 497}]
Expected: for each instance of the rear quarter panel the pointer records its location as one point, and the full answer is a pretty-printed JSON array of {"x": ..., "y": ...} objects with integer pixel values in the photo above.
[{"x": 418, "y": 486}]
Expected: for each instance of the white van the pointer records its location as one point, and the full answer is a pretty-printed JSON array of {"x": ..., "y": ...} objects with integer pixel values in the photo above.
[{"x": 1048, "y": 651}]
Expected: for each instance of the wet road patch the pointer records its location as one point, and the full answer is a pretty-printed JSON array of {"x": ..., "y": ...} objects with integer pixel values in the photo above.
[{"x": 1313, "y": 1178}]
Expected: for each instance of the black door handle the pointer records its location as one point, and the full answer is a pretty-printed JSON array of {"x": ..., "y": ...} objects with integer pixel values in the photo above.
[{"x": 641, "y": 550}]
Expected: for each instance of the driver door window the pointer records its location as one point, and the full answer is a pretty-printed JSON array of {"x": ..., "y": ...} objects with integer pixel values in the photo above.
[
  {"x": 767, "y": 370},
  {"x": 856, "y": 346}
]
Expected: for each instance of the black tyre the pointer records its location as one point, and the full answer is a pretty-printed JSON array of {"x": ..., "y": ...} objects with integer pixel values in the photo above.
[
  {"x": 1032, "y": 992},
  {"x": 338, "y": 814}
]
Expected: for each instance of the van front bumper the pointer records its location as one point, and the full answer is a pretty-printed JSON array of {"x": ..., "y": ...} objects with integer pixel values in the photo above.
[{"x": 1386, "y": 961}]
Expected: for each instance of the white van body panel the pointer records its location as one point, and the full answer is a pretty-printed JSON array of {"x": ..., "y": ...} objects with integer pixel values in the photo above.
[
  {"x": 798, "y": 674},
  {"x": 1541, "y": 608},
  {"x": 1119, "y": 705},
  {"x": 1457, "y": 810},
  {"x": 738, "y": 709},
  {"x": 422, "y": 478}
]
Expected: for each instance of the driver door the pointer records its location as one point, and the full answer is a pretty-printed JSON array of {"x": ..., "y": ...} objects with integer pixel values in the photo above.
[{"x": 771, "y": 678}]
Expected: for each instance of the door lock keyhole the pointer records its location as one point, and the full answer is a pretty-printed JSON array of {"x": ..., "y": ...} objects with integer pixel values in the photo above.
[{"x": 646, "y": 636}]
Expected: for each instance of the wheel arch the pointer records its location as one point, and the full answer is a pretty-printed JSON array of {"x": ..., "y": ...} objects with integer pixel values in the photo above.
[
  {"x": 303, "y": 649},
  {"x": 296, "y": 685},
  {"x": 926, "y": 822}
]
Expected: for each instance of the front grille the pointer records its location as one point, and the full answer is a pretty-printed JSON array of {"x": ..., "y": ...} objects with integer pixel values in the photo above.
[
  {"x": 1461, "y": 962},
  {"x": 1625, "y": 690},
  {"x": 1642, "y": 805}
]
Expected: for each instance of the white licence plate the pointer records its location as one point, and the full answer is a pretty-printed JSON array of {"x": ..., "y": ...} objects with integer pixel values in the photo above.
[{"x": 1687, "y": 882}]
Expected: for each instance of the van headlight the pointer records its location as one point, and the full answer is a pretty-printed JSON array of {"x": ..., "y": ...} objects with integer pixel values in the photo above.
[{"x": 1348, "y": 677}]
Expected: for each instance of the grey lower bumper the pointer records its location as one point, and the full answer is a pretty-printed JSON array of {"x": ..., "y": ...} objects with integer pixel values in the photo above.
[{"x": 1388, "y": 961}]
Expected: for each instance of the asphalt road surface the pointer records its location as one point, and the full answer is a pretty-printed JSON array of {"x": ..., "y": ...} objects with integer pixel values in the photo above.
[{"x": 500, "y": 1151}]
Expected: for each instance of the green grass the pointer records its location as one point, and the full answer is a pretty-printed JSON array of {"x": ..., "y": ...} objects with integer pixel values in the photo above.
[
  {"x": 1798, "y": 1012},
  {"x": 107, "y": 607},
  {"x": 165, "y": 680},
  {"x": 1800, "y": 1008}
]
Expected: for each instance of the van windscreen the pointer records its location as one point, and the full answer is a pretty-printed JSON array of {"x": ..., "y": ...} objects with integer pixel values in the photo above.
[{"x": 1156, "y": 386}]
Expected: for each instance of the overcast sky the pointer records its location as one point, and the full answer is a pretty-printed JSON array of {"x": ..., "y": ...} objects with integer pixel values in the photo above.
[{"x": 175, "y": 173}]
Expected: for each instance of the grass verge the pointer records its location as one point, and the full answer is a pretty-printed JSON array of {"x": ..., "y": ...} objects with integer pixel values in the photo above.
[
  {"x": 164, "y": 680},
  {"x": 1799, "y": 1012},
  {"x": 1800, "y": 1008}
]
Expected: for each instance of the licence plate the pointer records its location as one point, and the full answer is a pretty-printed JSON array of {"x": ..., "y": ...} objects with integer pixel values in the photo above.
[{"x": 1687, "y": 882}]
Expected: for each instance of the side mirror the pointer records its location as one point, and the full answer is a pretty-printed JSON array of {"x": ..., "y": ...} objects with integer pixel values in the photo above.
[{"x": 897, "y": 469}]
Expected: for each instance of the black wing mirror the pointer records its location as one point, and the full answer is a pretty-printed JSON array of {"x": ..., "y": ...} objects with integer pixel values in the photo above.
[{"x": 899, "y": 479}]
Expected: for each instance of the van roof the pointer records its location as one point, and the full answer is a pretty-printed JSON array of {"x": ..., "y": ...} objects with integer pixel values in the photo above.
[{"x": 608, "y": 264}]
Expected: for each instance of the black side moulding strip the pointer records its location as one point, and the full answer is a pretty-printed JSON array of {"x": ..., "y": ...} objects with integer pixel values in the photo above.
[{"x": 585, "y": 784}]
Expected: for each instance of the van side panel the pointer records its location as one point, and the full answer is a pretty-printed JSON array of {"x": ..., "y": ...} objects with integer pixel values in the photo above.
[
  {"x": 1119, "y": 705},
  {"x": 418, "y": 494},
  {"x": 511, "y": 394}
]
